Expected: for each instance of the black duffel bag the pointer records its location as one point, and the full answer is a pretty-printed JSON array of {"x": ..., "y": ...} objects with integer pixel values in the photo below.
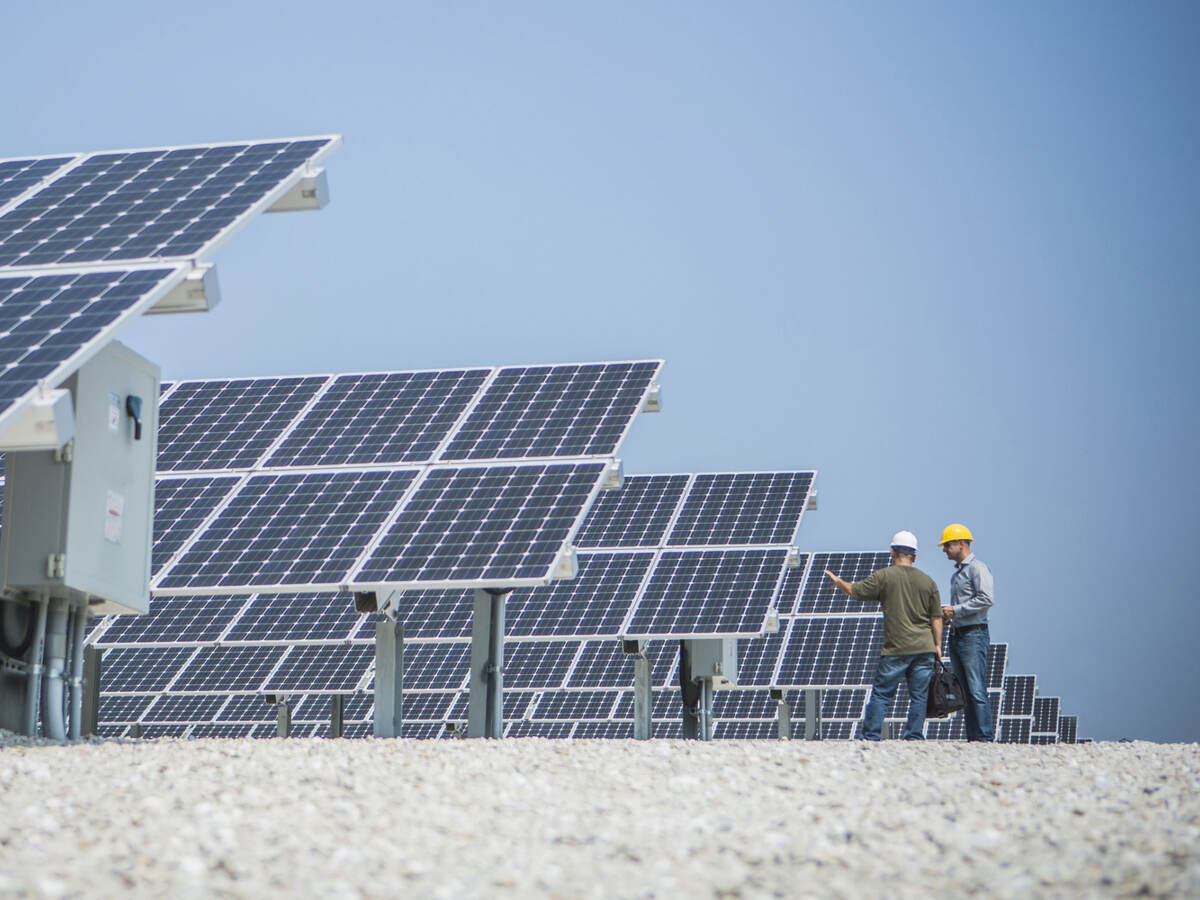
[{"x": 946, "y": 694}]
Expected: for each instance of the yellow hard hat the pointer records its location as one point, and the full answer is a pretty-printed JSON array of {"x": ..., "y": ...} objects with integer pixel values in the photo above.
[{"x": 955, "y": 532}]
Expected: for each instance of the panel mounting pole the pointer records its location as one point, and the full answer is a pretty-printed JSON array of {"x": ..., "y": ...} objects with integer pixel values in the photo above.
[
  {"x": 389, "y": 678},
  {"x": 784, "y": 712},
  {"x": 486, "y": 711},
  {"x": 643, "y": 697},
  {"x": 812, "y": 714},
  {"x": 336, "y": 702}
]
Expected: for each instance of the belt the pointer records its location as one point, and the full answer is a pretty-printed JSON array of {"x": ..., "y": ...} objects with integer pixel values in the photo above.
[{"x": 963, "y": 629}]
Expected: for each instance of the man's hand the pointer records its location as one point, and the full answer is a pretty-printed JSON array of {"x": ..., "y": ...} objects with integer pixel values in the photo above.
[
  {"x": 937, "y": 651},
  {"x": 843, "y": 585},
  {"x": 947, "y": 613}
]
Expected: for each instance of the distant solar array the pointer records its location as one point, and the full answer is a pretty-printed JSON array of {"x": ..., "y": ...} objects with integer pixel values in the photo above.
[{"x": 462, "y": 477}]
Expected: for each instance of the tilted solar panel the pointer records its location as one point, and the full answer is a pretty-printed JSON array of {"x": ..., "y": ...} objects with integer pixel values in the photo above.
[
  {"x": 742, "y": 508},
  {"x": 50, "y": 324},
  {"x": 169, "y": 203},
  {"x": 635, "y": 516},
  {"x": 19, "y": 175}
]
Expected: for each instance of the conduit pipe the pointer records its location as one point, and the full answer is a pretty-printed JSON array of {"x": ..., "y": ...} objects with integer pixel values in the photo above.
[
  {"x": 56, "y": 663},
  {"x": 33, "y": 687},
  {"x": 80, "y": 630}
]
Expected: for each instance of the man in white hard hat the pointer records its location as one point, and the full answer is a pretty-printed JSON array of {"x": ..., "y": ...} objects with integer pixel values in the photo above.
[
  {"x": 970, "y": 599},
  {"x": 912, "y": 635}
]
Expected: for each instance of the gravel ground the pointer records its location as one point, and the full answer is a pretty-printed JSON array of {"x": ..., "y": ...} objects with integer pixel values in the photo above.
[{"x": 534, "y": 817}]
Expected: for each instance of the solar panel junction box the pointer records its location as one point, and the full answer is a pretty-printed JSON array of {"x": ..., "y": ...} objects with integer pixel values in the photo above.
[
  {"x": 78, "y": 521},
  {"x": 715, "y": 659}
]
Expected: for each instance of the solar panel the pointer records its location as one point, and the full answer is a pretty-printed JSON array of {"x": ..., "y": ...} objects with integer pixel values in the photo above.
[
  {"x": 321, "y": 667},
  {"x": 174, "y": 620},
  {"x": 1013, "y": 731},
  {"x": 742, "y": 508},
  {"x": 206, "y": 425},
  {"x": 180, "y": 507},
  {"x": 1045, "y": 715},
  {"x": 436, "y": 666},
  {"x": 1068, "y": 729},
  {"x": 295, "y": 618},
  {"x": 19, "y": 175},
  {"x": 227, "y": 669},
  {"x": 142, "y": 671},
  {"x": 997, "y": 661},
  {"x": 592, "y": 604},
  {"x": 820, "y": 596},
  {"x": 726, "y": 593},
  {"x": 185, "y": 708},
  {"x": 1019, "y": 692},
  {"x": 573, "y": 705},
  {"x": 635, "y": 516},
  {"x": 122, "y": 708},
  {"x": 831, "y": 651},
  {"x": 529, "y": 412},
  {"x": 603, "y": 730},
  {"x": 50, "y": 324},
  {"x": 759, "y": 658},
  {"x": 170, "y": 203},
  {"x": 538, "y": 664},
  {"x": 396, "y": 417},
  {"x": 288, "y": 529}
]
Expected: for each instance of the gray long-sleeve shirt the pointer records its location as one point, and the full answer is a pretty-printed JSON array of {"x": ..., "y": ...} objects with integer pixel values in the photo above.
[{"x": 971, "y": 592}]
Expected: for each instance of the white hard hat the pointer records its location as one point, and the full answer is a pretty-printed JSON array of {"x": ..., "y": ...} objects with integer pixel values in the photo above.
[{"x": 905, "y": 539}]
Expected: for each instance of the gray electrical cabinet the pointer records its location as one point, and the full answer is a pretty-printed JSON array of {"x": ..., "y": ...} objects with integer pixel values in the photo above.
[
  {"x": 78, "y": 521},
  {"x": 715, "y": 658}
]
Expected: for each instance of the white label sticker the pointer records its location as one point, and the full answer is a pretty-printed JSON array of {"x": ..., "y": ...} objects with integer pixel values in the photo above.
[
  {"x": 114, "y": 509},
  {"x": 114, "y": 412}
]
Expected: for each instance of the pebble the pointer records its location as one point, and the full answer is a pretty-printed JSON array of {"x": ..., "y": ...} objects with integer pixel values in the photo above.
[{"x": 533, "y": 817}]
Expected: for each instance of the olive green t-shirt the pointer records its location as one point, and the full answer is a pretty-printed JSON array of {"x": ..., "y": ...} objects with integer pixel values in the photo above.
[{"x": 910, "y": 602}]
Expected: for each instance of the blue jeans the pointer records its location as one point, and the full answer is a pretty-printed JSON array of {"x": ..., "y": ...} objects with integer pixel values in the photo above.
[
  {"x": 918, "y": 668},
  {"x": 968, "y": 656}
]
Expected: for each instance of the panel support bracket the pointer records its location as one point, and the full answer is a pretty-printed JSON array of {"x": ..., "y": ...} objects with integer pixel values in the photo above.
[
  {"x": 643, "y": 696},
  {"x": 198, "y": 292}
]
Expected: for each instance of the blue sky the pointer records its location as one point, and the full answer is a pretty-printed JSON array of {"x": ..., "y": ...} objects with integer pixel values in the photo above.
[{"x": 946, "y": 255}]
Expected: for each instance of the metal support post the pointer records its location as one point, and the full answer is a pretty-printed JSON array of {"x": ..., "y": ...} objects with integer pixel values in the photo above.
[
  {"x": 485, "y": 716},
  {"x": 812, "y": 714},
  {"x": 284, "y": 710},
  {"x": 705, "y": 709},
  {"x": 335, "y": 715},
  {"x": 643, "y": 696},
  {"x": 389, "y": 678},
  {"x": 33, "y": 687},
  {"x": 784, "y": 714},
  {"x": 91, "y": 690}
]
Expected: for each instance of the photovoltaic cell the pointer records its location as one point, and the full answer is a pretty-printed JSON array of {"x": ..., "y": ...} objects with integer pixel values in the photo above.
[
  {"x": 47, "y": 320},
  {"x": 221, "y": 730},
  {"x": 290, "y": 528},
  {"x": 1068, "y": 729},
  {"x": 527, "y": 729},
  {"x": 565, "y": 410},
  {"x": 635, "y": 516},
  {"x": 388, "y": 418},
  {"x": 603, "y": 730},
  {"x": 745, "y": 731},
  {"x": 591, "y": 604},
  {"x": 180, "y": 506},
  {"x": 248, "y": 708},
  {"x": 758, "y": 658},
  {"x": 122, "y": 708},
  {"x": 740, "y": 704},
  {"x": 19, "y": 175},
  {"x": 147, "y": 204},
  {"x": 996, "y": 662},
  {"x": 439, "y": 666},
  {"x": 432, "y": 614},
  {"x": 605, "y": 664},
  {"x": 709, "y": 592},
  {"x": 743, "y": 508},
  {"x": 479, "y": 524},
  {"x": 206, "y": 425},
  {"x": 1013, "y": 731}
]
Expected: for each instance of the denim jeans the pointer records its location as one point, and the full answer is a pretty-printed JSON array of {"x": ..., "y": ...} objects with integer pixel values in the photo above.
[
  {"x": 968, "y": 656},
  {"x": 918, "y": 668}
]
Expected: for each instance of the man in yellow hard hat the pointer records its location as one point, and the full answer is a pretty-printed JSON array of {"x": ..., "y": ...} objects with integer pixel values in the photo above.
[
  {"x": 912, "y": 635},
  {"x": 970, "y": 599}
]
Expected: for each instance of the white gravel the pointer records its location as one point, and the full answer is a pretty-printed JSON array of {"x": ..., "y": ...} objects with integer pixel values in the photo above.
[{"x": 518, "y": 818}]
